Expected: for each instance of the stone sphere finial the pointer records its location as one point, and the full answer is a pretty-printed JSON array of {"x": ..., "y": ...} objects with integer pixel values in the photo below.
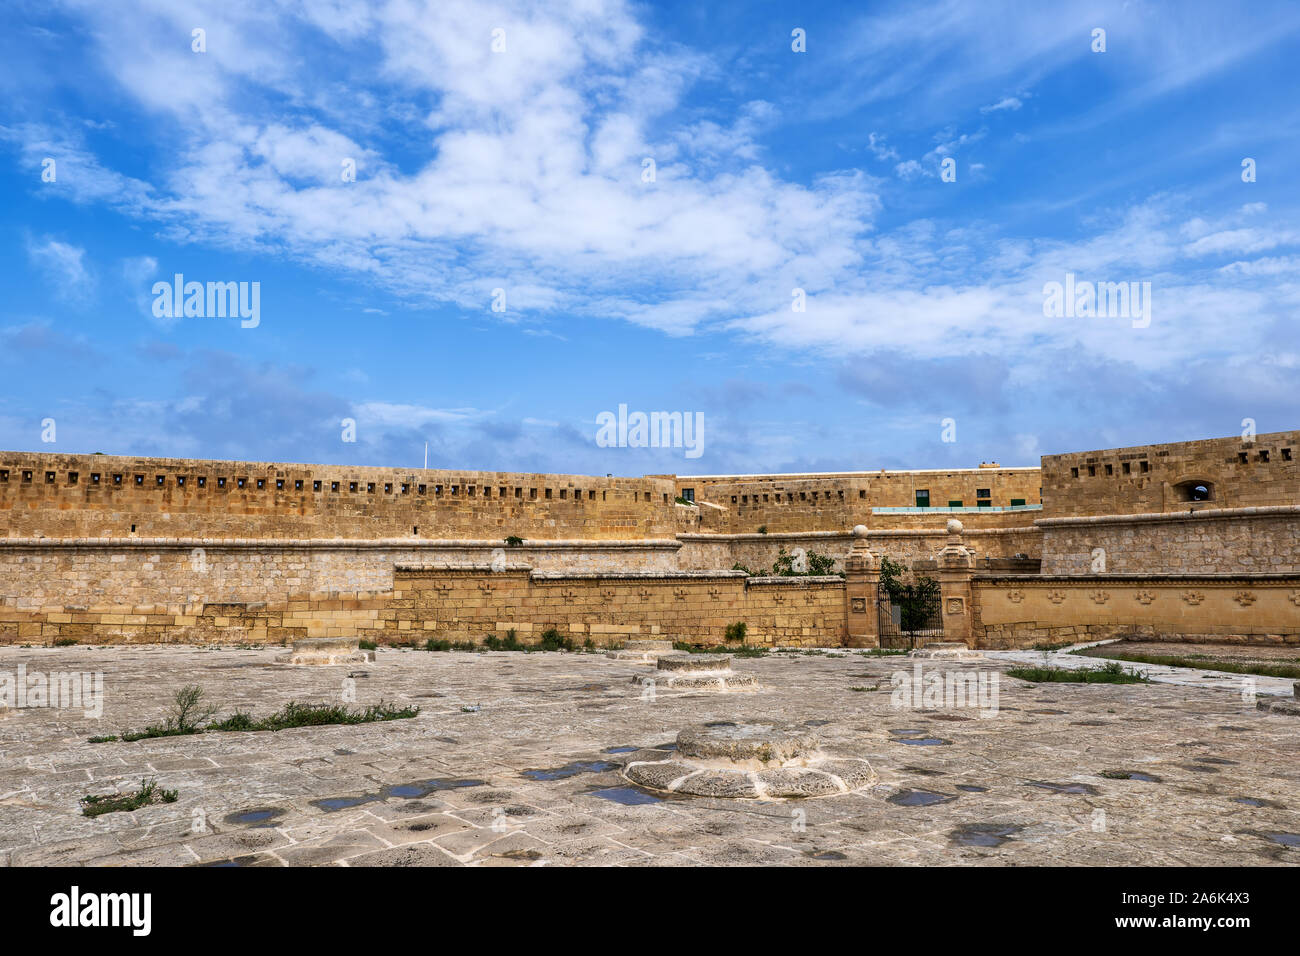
[
  {"x": 954, "y": 526},
  {"x": 859, "y": 531}
]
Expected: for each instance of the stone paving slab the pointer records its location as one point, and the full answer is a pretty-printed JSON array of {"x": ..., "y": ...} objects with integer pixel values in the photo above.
[{"x": 533, "y": 776}]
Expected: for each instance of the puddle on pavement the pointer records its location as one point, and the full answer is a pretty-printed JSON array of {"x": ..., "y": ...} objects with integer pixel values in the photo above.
[
  {"x": 1047, "y": 710},
  {"x": 815, "y": 723},
  {"x": 919, "y": 798},
  {"x": 620, "y": 750},
  {"x": 230, "y": 861},
  {"x": 626, "y": 796},
  {"x": 258, "y": 817},
  {"x": 1256, "y": 802},
  {"x": 1285, "y": 839},
  {"x": 1129, "y": 775},
  {"x": 984, "y": 834},
  {"x": 571, "y": 770},
  {"x": 971, "y": 788},
  {"x": 923, "y": 741},
  {"x": 403, "y": 791},
  {"x": 1217, "y": 760},
  {"x": 1080, "y": 788},
  {"x": 923, "y": 771},
  {"x": 827, "y": 855}
]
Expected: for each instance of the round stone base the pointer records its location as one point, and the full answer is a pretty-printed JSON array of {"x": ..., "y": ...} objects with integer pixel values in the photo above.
[
  {"x": 644, "y": 652},
  {"x": 747, "y": 761},
  {"x": 326, "y": 651},
  {"x": 1280, "y": 705},
  {"x": 947, "y": 651},
  {"x": 721, "y": 681},
  {"x": 686, "y": 663}
]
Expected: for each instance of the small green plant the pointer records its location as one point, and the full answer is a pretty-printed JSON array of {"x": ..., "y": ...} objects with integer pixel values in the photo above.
[
  {"x": 1110, "y": 673},
  {"x": 66, "y": 642},
  {"x": 513, "y": 540},
  {"x": 508, "y": 643},
  {"x": 683, "y": 501},
  {"x": 553, "y": 640},
  {"x": 1291, "y": 671},
  {"x": 366, "y": 645},
  {"x": 149, "y": 792},
  {"x": 294, "y": 714},
  {"x": 734, "y": 632},
  {"x": 744, "y": 650},
  {"x": 762, "y": 529},
  {"x": 442, "y": 644}
]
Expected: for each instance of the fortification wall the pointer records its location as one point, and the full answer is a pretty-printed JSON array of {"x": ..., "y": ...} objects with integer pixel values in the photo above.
[
  {"x": 97, "y": 496},
  {"x": 800, "y": 503},
  {"x": 1235, "y": 473},
  {"x": 1212, "y": 540}
]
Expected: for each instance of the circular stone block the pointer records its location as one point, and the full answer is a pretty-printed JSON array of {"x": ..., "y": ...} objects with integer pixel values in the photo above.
[
  {"x": 1280, "y": 705},
  {"x": 646, "y": 652},
  {"x": 765, "y": 743},
  {"x": 747, "y": 761},
  {"x": 720, "y": 681},
  {"x": 947, "y": 651},
  {"x": 326, "y": 652},
  {"x": 695, "y": 662}
]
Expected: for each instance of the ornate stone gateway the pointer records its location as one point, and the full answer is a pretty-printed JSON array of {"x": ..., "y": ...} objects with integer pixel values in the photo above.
[{"x": 915, "y": 622}]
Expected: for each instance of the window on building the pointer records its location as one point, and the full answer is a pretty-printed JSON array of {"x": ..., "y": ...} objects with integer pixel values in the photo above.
[
  {"x": 983, "y": 493},
  {"x": 1017, "y": 502},
  {"x": 955, "y": 504},
  {"x": 923, "y": 498}
]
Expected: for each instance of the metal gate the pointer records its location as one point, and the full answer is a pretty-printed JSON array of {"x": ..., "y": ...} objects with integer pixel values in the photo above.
[{"x": 915, "y": 621}]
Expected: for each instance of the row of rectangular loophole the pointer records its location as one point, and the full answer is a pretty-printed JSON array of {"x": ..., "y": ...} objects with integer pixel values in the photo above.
[{"x": 317, "y": 486}]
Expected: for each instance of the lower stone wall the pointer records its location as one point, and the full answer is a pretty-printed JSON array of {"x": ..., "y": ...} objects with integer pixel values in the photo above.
[
  {"x": 691, "y": 606},
  {"x": 1017, "y": 611},
  {"x": 460, "y": 603}
]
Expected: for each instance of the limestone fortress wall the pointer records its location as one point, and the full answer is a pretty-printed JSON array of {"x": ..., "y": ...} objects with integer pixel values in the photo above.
[{"x": 106, "y": 548}]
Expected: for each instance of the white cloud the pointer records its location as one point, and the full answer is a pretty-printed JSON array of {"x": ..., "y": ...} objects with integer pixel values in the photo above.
[{"x": 64, "y": 266}]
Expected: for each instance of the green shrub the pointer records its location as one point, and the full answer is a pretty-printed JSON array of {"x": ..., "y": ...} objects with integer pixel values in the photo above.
[
  {"x": 553, "y": 640},
  {"x": 735, "y": 632},
  {"x": 94, "y": 805}
]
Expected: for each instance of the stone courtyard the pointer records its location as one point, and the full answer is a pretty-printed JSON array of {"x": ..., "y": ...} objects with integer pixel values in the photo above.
[{"x": 516, "y": 759}]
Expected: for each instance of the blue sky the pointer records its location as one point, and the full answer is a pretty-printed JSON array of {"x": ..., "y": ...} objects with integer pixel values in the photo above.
[{"x": 521, "y": 169}]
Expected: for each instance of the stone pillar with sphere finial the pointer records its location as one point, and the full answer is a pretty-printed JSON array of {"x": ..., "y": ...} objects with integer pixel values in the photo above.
[
  {"x": 956, "y": 567},
  {"x": 861, "y": 587}
]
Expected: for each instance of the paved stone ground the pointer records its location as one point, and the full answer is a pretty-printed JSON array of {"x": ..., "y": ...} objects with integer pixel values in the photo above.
[{"x": 529, "y": 777}]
